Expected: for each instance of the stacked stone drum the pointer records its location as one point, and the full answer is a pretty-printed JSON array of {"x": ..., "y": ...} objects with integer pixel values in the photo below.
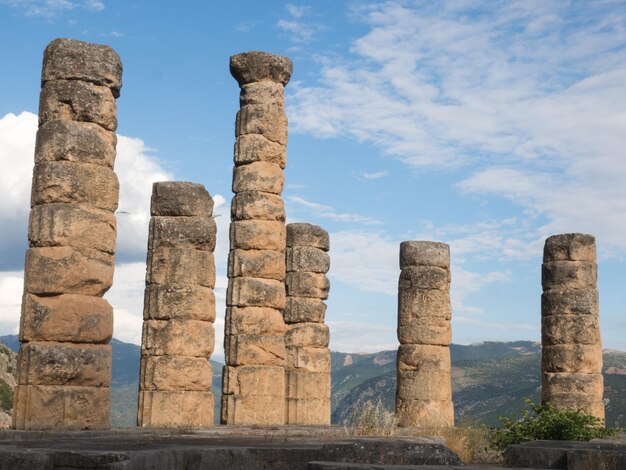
[
  {"x": 571, "y": 362},
  {"x": 64, "y": 360},
  {"x": 424, "y": 388},
  {"x": 179, "y": 309},
  {"x": 254, "y": 375},
  {"x": 306, "y": 339}
]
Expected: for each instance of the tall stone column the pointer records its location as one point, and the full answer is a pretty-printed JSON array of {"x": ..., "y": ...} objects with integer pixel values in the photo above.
[
  {"x": 179, "y": 309},
  {"x": 306, "y": 338},
  {"x": 254, "y": 376},
  {"x": 424, "y": 386},
  {"x": 64, "y": 361},
  {"x": 571, "y": 359}
]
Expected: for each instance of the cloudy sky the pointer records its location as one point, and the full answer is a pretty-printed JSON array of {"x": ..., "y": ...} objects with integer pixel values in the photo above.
[{"x": 487, "y": 125}]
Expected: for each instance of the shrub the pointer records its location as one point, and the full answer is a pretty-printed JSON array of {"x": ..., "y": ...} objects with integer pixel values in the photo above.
[
  {"x": 544, "y": 422},
  {"x": 6, "y": 396}
]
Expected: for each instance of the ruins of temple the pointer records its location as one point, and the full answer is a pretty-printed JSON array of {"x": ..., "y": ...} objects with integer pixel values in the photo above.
[
  {"x": 179, "y": 309},
  {"x": 308, "y": 358},
  {"x": 424, "y": 385},
  {"x": 253, "y": 390},
  {"x": 571, "y": 358},
  {"x": 64, "y": 360}
]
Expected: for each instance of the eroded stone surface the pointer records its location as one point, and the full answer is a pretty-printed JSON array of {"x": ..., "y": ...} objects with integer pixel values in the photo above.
[
  {"x": 180, "y": 198},
  {"x": 176, "y": 409},
  {"x": 302, "y": 234},
  {"x": 258, "y": 66}
]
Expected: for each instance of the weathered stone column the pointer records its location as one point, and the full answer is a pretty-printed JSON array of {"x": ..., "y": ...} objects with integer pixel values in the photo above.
[
  {"x": 254, "y": 376},
  {"x": 424, "y": 387},
  {"x": 64, "y": 361},
  {"x": 306, "y": 339},
  {"x": 571, "y": 359},
  {"x": 179, "y": 309}
]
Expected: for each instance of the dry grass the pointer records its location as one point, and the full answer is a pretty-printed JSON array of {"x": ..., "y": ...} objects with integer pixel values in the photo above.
[{"x": 372, "y": 419}]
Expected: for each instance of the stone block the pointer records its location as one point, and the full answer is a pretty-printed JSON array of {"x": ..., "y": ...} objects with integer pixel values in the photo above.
[
  {"x": 423, "y": 358},
  {"x": 176, "y": 373},
  {"x": 78, "y": 142},
  {"x": 424, "y": 277},
  {"x": 257, "y": 235},
  {"x": 307, "y": 258},
  {"x": 424, "y": 385},
  {"x": 254, "y": 321},
  {"x": 420, "y": 304},
  {"x": 308, "y": 358},
  {"x": 264, "y": 264},
  {"x": 308, "y": 411},
  {"x": 181, "y": 266},
  {"x": 50, "y": 363},
  {"x": 592, "y": 406},
  {"x": 73, "y": 100},
  {"x": 570, "y": 329},
  {"x": 254, "y": 350},
  {"x": 568, "y": 275},
  {"x": 580, "y": 358},
  {"x": 238, "y": 410},
  {"x": 307, "y": 334},
  {"x": 304, "y": 309},
  {"x": 307, "y": 284},
  {"x": 426, "y": 333},
  {"x": 176, "y": 409},
  {"x": 253, "y": 380},
  {"x": 570, "y": 247},
  {"x": 570, "y": 301},
  {"x": 255, "y": 292},
  {"x": 257, "y": 148},
  {"x": 424, "y": 253},
  {"x": 170, "y": 301},
  {"x": 63, "y": 270},
  {"x": 177, "y": 338},
  {"x": 180, "y": 198},
  {"x": 81, "y": 227},
  {"x": 256, "y": 66},
  {"x": 61, "y": 407},
  {"x": 263, "y": 92},
  {"x": 75, "y": 183},
  {"x": 183, "y": 232},
  {"x": 268, "y": 120},
  {"x": 255, "y": 205},
  {"x": 68, "y": 59},
  {"x": 258, "y": 176},
  {"x": 566, "y": 385},
  {"x": 308, "y": 385},
  {"x": 424, "y": 413},
  {"x": 66, "y": 318},
  {"x": 301, "y": 234}
]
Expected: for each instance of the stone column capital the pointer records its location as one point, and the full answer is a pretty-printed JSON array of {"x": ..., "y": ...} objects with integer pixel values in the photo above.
[{"x": 256, "y": 66}]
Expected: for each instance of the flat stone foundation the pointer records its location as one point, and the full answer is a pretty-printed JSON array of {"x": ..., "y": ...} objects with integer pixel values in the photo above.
[
  {"x": 220, "y": 448},
  {"x": 568, "y": 455}
]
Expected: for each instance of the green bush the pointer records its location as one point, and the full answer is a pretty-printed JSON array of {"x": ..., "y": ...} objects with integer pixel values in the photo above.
[
  {"x": 544, "y": 422},
  {"x": 6, "y": 396}
]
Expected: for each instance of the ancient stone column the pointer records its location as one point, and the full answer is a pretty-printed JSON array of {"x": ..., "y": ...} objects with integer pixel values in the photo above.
[
  {"x": 179, "y": 309},
  {"x": 254, "y": 377},
  {"x": 64, "y": 360},
  {"x": 306, "y": 339},
  {"x": 571, "y": 359},
  {"x": 424, "y": 387}
]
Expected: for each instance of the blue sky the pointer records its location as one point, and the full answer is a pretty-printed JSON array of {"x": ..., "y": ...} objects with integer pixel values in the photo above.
[{"x": 487, "y": 125}]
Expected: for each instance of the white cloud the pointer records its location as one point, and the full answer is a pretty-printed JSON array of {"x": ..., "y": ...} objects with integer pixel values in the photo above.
[
  {"x": 357, "y": 337},
  {"x": 526, "y": 98},
  {"x": 374, "y": 175},
  {"x": 300, "y": 32},
  {"x": 328, "y": 212},
  {"x": 11, "y": 288},
  {"x": 51, "y": 8}
]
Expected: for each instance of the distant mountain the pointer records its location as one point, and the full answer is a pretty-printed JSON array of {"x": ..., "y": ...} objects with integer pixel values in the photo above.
[{"x": 489, "y": 379}]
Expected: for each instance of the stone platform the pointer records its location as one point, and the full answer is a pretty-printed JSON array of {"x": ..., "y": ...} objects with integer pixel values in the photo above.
[
  {"x": 568, "y": 455},
  {"x": 220, "y": 448}
]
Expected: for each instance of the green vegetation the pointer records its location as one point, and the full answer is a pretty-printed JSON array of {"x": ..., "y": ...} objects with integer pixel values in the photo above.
[
  {"x": 544, "y": 422},
  {"x": 6, "y": 396}
]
